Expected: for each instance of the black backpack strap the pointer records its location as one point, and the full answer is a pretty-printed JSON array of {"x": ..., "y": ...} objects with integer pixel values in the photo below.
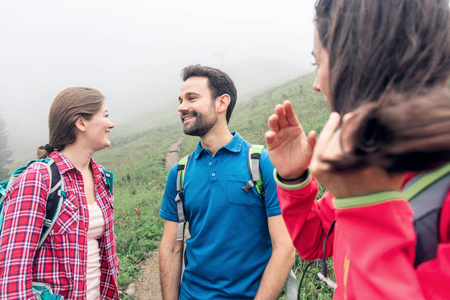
[
  {"x": 55, "y": 199},
  {"x": 426, "y": 193}
]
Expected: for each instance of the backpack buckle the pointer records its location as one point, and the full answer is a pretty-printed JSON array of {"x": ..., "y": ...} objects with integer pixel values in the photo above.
[{"x": 250, "y": 184}]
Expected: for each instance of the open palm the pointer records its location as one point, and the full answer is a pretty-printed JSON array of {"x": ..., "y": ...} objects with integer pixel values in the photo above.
[{"x": 290, "y": 150}]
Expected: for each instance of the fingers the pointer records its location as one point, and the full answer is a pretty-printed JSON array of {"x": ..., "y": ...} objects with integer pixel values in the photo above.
[
  {"x": 330, "y": 127},
  {"x": 272, "y": 123},
  {"x": 326, "y": 134},
  {"x": 281, "y": 113},
  {"x": 347, "y": 117},
  {"x": 311, "y": 139},
  {"x": 286, "y": 115},
  {"x": 290, "y": 114},
  {"x": 270, "y": 138}
]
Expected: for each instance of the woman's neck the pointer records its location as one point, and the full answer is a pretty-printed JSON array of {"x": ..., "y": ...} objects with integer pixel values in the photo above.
[{"x": 78, "y": 156}]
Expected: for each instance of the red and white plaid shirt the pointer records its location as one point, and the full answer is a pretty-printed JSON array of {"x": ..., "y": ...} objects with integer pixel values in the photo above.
[{"x": 62, "y": 259}]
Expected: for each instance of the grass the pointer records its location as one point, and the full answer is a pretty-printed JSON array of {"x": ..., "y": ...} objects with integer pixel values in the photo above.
[{"x": 137, "y": 160}]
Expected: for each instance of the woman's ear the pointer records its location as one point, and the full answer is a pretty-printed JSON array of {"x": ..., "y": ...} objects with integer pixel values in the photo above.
[
  {"x": 80, "y": 124},
  {"x": 222, "y": 103}
]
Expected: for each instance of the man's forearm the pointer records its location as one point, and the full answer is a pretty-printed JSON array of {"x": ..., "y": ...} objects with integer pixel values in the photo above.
[
  {"x": 276, "y": 273},
  {"x": 170, "y": 273}
]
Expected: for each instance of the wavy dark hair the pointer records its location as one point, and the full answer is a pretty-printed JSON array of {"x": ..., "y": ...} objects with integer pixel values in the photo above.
[
  {"x": 398, "y": 134},
  {"x": 378, "y": 46},
  {"x": 389, "y": 61}
]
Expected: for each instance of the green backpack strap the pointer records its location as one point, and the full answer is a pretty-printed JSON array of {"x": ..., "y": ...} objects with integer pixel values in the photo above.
[
  {"x": 109, "y": 179},
  {"x": 254, "y": 156},
  {"x": 182, "y": 164}
]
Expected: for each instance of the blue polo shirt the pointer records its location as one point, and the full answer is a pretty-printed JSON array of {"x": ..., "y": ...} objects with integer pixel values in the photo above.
[{"x": 230, "y": 244}]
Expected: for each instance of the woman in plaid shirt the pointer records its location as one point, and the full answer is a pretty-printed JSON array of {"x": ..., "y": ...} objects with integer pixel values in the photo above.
[{"x": 78, "y": 258}]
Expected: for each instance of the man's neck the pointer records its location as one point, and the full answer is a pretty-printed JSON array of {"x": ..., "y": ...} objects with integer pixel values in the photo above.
[{"x": 215, "y": 139}]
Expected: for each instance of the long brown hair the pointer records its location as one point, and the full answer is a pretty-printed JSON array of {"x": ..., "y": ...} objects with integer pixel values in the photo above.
[
  {"x": 399, "y": 134},
  {"x": 378, "y": 46},
  {"x": 389, "y": 61},
  {"x": 70, "y": 105}
]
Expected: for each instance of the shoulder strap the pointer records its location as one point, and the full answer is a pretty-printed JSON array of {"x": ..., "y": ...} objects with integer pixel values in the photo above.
[
  {"x": 55, "y": 198},
  {"x": 182, "y": 164},
  {"x": 109, "y": 179},
  {"x": 254, "y": 156},
  {"x": 426, "y": 193},
  {"x": 5, "y": 185}
]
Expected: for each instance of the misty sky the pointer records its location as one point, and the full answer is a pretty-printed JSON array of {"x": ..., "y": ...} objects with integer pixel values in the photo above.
[{"x": 133, "y": 51}]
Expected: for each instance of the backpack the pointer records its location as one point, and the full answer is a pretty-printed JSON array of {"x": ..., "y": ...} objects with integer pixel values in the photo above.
[
  {"x": 254, "y": 154},
  {"x": 55, "y": 198},
  {"x": 55, "y": 195},
  {"x": 426, "y": 193},
  {"x": 253, "y": 157}
]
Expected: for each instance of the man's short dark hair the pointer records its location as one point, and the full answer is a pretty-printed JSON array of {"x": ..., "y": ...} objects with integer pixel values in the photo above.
[{"x": 219, "y": 83}]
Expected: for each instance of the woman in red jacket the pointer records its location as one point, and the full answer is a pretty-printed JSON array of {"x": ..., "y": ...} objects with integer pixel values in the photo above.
[{"x": 382, "y": 64}]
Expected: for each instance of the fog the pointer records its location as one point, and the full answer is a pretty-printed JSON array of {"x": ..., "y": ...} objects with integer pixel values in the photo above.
[{"x": 133, "y": 52}]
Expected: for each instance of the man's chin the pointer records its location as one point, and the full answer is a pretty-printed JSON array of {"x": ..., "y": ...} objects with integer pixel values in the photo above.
[{"x": 190, "y": 132}]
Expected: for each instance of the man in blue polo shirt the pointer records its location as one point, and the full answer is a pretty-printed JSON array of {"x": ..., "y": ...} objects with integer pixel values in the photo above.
[{"x": 239, "y": 246}]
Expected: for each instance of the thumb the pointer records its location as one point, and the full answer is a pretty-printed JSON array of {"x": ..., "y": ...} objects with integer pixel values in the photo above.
[
  {"x": 270, "y": 138},
  {"x": 311, "y": 139}
]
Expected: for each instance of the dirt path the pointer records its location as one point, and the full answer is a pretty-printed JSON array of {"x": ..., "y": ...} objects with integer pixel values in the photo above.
[{"x": 147, "y": 286}]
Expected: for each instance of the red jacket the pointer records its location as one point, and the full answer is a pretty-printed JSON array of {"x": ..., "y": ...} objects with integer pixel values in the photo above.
[{"x": 373, "y": 244}]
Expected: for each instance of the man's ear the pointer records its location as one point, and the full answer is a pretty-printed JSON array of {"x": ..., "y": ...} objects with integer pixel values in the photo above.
[
  {"x": 222, "y": 103},
  {"x": 80, "y": 124}
]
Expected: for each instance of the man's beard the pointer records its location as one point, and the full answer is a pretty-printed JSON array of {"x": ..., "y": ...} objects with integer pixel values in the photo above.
[{"x": 202, "y": 125}]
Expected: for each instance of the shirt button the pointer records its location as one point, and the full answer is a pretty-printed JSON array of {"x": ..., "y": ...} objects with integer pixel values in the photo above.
[
  {"x": 210, "y": 163},
  {"x": 213, "y": 174}
]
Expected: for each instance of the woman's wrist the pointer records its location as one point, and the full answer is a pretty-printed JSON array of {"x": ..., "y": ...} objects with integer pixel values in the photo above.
[
  {"x": 298, "y": 183},
  {"x": 294, "y": 180}
]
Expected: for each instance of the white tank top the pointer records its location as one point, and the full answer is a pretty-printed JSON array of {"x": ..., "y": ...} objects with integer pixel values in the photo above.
[{"x": 95, "y": 231}]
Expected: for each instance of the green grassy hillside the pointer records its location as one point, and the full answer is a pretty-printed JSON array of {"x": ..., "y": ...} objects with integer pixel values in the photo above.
[{"x": 137, "y": 160}]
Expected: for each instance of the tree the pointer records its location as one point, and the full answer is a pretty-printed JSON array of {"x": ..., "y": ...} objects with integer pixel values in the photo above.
[{"x": 5, "y": 152}]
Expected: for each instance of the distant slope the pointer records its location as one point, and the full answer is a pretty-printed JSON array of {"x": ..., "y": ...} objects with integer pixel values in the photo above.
[{"x": 137, "y": 160}]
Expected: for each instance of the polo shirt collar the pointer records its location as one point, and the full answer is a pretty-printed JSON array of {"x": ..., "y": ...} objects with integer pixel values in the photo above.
[{"x": 235, "y": 145}]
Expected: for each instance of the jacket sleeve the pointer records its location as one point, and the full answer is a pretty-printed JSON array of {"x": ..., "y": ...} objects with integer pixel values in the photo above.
[
  {"x": 23, "y": 219},
  {"x": 307, "y": 221}
]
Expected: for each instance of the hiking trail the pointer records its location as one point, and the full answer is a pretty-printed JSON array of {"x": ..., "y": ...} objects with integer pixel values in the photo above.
[{"x": 147, "y": 285}]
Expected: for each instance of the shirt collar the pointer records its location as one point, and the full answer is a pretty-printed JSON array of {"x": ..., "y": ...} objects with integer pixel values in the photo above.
[
  {"x": 235, "y": 145},
  {"x": 65, "y": 165}
]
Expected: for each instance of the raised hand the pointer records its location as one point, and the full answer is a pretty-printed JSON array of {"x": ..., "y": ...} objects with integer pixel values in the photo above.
[
  {"x": 290, "y": 150},
  {"x": 351, "y": 183}
]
